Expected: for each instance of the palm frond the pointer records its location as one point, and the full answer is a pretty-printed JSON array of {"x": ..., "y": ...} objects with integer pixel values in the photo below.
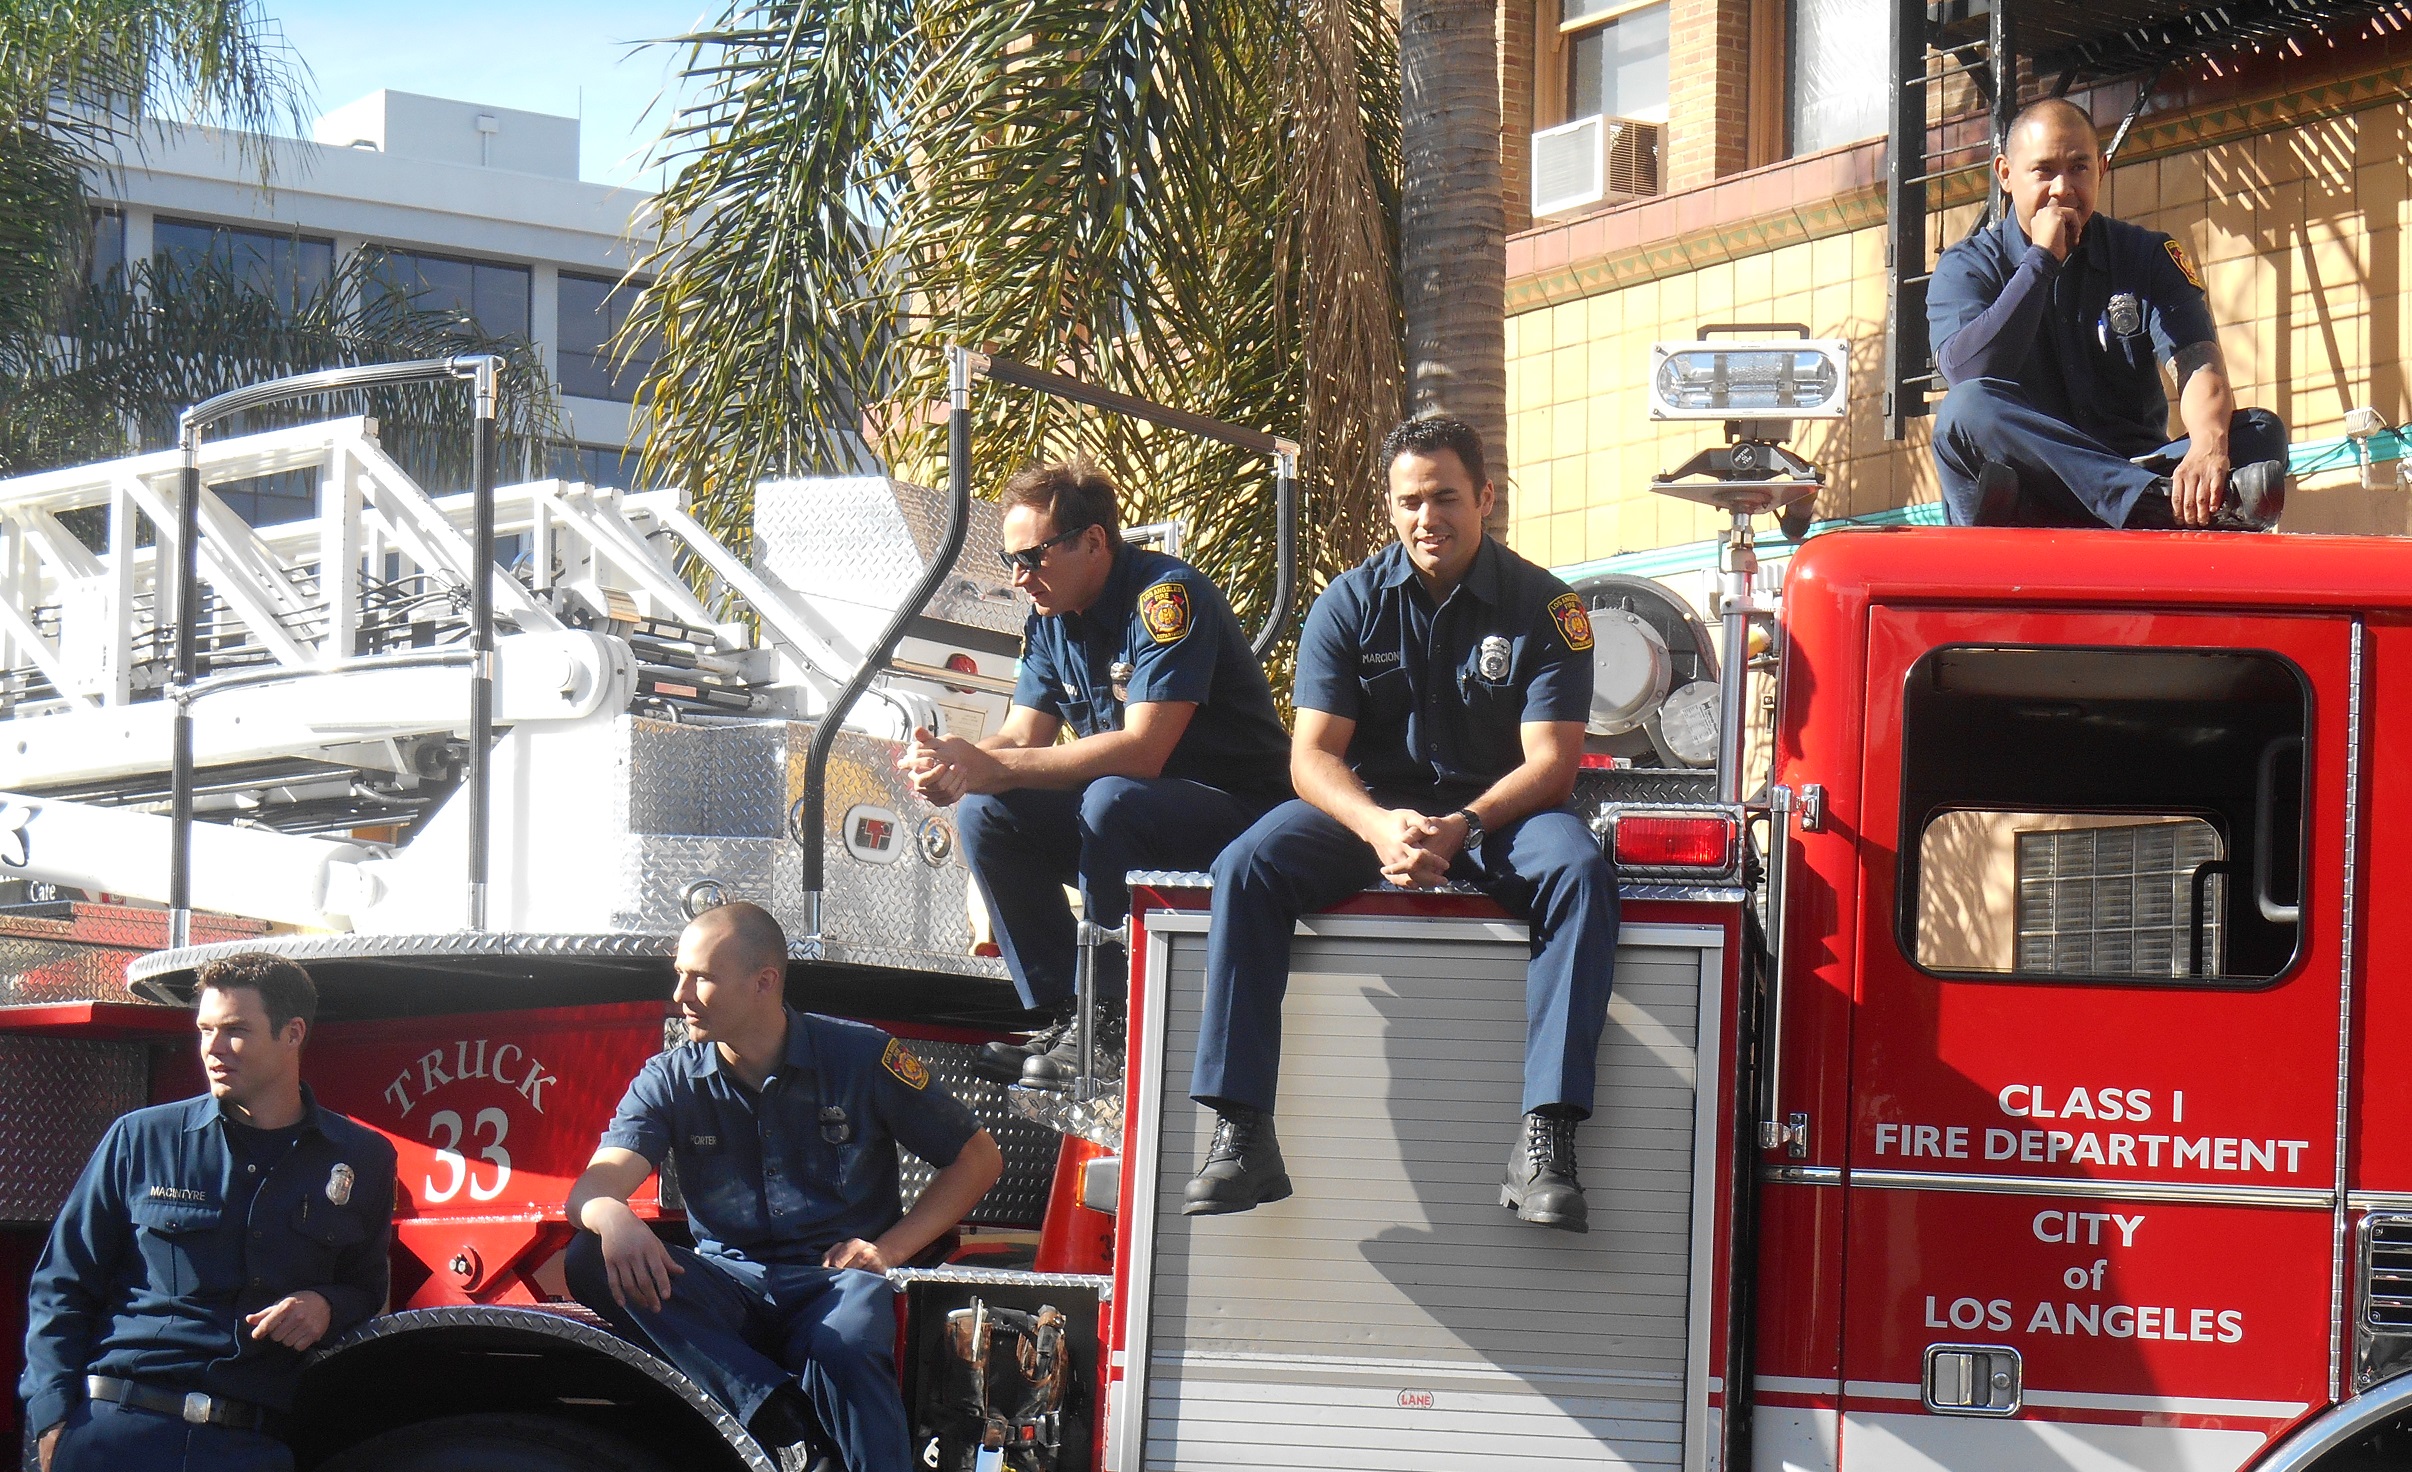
[{"x": 1189, "y": 202}]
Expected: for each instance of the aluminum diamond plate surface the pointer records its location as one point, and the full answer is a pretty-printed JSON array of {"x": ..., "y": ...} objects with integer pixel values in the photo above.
[
  {"x": 1019, "y": 1198},
  {"x": 650, "y": 880},
  {"x": 572, "y": 1330},
  {"x": 863, "y": 541},
  {"x": 62, "y": 1094},
  {"x": 978, "y": 594},
  {"x": 1596, "y": 785},
  {"x": 718, "y": 780},
  {"x": 79, "y": 951},
  {"x": 902, "y": 904}
]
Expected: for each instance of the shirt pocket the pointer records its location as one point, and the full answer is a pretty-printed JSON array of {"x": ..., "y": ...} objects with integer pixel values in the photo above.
[
  {"x": 1080, "y": 715},
  {"x": 1494, "y": 712},
  {"x": 184, "y": 1248},
  {"x": 322, "y": 1232},
  {"x": 1385, "y": 699},
  {"x": 708, "y": 1182}
]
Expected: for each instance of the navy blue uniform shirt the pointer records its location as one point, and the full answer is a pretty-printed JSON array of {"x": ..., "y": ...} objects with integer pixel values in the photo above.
[
  {"x": 149, "y": 1273},
  {"x": 1438, "y": 693},
  {"x": 810, "y": 1161},
  {"x": 1179, "y": 641},
  {"x": 2001, "y": 307}
]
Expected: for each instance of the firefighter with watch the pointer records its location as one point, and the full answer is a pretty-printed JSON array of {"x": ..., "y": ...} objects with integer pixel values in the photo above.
[
  {"x": 210, "y": 1245},
  {"x": 1176, "y": 748},
  {"x": 1443, "y": 686}
]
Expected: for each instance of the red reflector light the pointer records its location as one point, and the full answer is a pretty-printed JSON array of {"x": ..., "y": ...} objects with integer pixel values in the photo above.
[
  {"x": 1645, "y": 842},
  {"x": 963, "y": 664}
]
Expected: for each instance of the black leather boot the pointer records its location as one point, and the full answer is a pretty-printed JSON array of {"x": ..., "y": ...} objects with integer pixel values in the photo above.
[
  {"x": 1541, "y": 1185},
  {"x": 1997, "y": 495},
  {"x": 2256, "y": 497},
  {"x": 1243, "y": 1167},
  {"x": 1058, "y": 1064},
  {"x": 1004, "y": 1062}
]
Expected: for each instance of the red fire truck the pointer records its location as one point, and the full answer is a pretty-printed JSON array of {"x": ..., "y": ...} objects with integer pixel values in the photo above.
[{"x": 2003, "y": 1084}]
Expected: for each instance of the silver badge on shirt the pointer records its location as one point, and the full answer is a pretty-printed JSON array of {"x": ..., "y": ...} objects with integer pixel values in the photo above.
[
  {"x": 2126, "y": 315},
  {"x": 1492, "y": 662},
  {"x": 339, "y": 1184},
  {"x": 1119, "y": 674}
]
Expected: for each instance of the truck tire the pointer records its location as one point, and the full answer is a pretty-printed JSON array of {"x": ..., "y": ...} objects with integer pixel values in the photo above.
[{"x": 496, "y": 1442}]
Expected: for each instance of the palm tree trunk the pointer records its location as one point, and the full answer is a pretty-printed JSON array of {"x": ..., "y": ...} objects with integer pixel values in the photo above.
[{"x": 1452, "y": 220}]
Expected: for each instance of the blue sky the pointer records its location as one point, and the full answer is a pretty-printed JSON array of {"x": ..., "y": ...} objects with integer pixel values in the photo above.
[{"x": 574, "y": 60}]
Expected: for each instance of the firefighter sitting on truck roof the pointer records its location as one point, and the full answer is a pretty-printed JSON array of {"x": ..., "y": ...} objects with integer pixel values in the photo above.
[
  {"x": 1442, "y": 689},
  {"x": 1178, "y": 749},
  {"x": 784, "y": 1126},
  {"x": 2051, "y": 328},
  {"x": 207, "y": 1247}
]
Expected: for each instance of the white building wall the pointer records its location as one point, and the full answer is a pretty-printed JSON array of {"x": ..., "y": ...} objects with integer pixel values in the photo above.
[{"x": 422, "y": 173}]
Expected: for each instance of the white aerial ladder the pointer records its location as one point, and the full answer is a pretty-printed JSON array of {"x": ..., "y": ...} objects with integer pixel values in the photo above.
[{"x": 652, "y": 692}]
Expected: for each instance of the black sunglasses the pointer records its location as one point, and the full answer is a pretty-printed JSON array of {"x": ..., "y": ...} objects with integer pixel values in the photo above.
[{"x": 1029, "y": 558}]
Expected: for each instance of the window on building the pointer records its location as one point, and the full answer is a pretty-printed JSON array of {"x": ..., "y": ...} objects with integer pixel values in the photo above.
[
  {"x": 1599, "y": 103},
  {"x": 593, "y": 308},
  {"x": 269, "y": 500},
  {"x": 492, "y": 295},
  {"x": 1838, "y": 81},
  {"x": 105, "y": 251},
  {"x": 292, "y": 268},
  {"x": 600, "y": 465},
  {"x": 2103, "y": 814},
  {"x": 1616, "y": 60}
]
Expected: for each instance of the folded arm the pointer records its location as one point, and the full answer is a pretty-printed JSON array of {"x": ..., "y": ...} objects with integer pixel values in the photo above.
[{"x": 1996, "y": 343}]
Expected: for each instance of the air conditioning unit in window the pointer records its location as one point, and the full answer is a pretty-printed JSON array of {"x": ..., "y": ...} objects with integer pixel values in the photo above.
[{"x": 1593, "y": 160}]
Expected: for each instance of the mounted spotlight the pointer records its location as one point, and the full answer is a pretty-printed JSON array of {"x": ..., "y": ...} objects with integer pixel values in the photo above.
[{"x": 1750, "y": 378}]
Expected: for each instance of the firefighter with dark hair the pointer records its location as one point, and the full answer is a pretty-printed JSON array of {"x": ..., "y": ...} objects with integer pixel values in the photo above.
[
  {"x": 1442, "y": 689},
  {"x": 208, "y": 1246},
  {"x": 1177, "y": 747},
  {"x": 2051, "y": 326},
  {"x": 785, "y": 1127}
]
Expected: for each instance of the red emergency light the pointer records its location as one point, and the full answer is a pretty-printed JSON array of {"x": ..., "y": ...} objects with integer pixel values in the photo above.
[{"x": 1676, "y": 841}]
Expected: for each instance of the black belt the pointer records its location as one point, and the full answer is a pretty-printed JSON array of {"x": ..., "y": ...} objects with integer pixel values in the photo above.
[{"x": 191, "y": 1407}]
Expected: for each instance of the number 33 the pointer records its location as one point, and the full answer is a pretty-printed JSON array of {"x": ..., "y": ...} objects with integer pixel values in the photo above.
[{"x": 447, "y": 1122}]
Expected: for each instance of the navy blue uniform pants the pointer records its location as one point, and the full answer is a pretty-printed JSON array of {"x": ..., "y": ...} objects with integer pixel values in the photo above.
[
  {"x": 103, "y": 1436},
  {"x": 741, "y": 1330},
  {"x": 1027, "y": 844},
  {"x": 1547, "y": 869},
  {"x": 2066, "y": 476}
]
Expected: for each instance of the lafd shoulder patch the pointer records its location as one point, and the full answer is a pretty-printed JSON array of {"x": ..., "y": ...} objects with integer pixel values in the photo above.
[
  {"x": 909, "y": 1070},
  {"x": 1164, "y": 609},
  {"x": 1574, "y": 621},
  {"x": 2177, "y": 253}
]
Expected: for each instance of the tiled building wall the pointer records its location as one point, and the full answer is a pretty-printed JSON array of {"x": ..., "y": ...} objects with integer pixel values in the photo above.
[
  {"x": 1788, "y": 244},
  {"x": 2293, "y": 199}
]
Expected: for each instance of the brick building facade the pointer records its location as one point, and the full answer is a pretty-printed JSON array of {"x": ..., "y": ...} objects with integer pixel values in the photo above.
[{"x": 2283, "y": 168}]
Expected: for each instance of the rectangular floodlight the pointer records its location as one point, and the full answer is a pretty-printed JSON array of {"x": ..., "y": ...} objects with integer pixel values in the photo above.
[{"x": 1734, "y": 378}]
